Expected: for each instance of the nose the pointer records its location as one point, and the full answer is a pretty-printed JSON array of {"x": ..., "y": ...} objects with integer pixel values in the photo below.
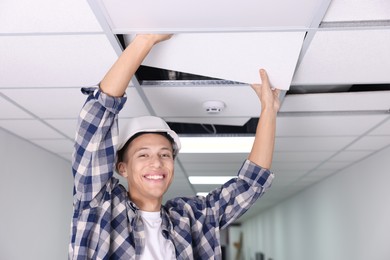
[{"x": 156, "y": 161}]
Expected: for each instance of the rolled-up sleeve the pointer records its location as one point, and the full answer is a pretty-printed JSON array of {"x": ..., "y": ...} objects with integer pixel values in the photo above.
[
  {"x": 95, "y": 144},
  {"x": 252, "y": 173}
]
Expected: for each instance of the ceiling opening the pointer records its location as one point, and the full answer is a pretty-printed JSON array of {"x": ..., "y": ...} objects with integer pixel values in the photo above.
[{"x": 249, "y": 128}]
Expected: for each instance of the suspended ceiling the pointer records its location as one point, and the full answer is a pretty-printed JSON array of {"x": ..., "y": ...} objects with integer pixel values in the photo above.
[{"x": 330, "y": 48}]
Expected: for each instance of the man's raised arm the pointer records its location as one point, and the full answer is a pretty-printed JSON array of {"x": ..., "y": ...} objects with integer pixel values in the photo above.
[
  {"x": 118, "y": 77},
  {"x": 263, "y": 146}
]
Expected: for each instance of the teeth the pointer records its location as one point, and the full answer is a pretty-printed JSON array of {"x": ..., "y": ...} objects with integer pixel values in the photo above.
[{"x": 154, "y": 177}]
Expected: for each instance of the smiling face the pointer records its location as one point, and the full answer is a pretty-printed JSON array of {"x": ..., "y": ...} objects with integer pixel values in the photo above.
[{"x": 149, "y": 168}]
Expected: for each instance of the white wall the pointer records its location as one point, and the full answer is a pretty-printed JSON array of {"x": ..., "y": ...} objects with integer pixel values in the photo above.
[
  {"x": 36, "y": 201},
  {"x": 346, "y": 216}
]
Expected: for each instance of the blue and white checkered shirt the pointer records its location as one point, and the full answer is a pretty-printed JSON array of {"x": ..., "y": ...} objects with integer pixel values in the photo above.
[{"x": 106, "y": 224}]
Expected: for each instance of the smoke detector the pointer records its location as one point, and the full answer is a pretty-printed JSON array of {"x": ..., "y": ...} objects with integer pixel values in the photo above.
[{"x": 213, "y": 106}]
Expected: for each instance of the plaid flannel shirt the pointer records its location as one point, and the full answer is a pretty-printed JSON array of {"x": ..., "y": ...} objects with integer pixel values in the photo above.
[{"x": 106, "y": 224}]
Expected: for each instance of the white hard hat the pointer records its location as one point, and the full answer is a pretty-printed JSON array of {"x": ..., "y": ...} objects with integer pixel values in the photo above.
[{"x": 147, "y": 124}]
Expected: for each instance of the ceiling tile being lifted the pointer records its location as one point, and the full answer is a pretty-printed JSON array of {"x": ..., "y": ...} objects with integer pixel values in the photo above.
[{"x": 231, "y": 56}]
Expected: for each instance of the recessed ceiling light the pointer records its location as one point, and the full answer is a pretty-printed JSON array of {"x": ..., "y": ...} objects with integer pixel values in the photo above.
[
  {"x": 209, "y": 179},
  {"x": 234, "y": 144},
  {"x": 203, "y": 194}
]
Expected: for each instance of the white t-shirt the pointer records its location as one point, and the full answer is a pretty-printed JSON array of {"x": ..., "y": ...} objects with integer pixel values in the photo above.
[{"x": 156, "y": 246}]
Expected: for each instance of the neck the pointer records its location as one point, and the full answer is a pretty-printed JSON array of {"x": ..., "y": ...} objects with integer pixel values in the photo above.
[{"x": 145, "y": 204}]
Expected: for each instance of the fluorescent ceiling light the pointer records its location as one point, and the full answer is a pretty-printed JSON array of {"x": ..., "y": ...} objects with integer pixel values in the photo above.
[
  {"x": 221, "y": 144},
  {"x": 203, "y": 194},
  {"x": 209, "y": 179}
]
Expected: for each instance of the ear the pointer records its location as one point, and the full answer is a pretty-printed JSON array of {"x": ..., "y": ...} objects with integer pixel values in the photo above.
[{"x": 122, "y": 169}]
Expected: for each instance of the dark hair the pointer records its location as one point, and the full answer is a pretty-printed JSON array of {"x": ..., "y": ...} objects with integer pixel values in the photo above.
[{"x": 122, "y": 152}]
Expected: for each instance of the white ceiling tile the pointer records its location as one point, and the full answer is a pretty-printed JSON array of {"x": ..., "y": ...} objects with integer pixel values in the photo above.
[
  {"x": 135, "y": 105},
  {"x": 293, "y": 166},
  {"x": 335, "y": 143},
  {"x": 302, "y": 184},
  {"x": 180, "y": 176},
  {"x": 321, "y": 172},
  {"x": 299, "y": 185},
  {"x": 219, "y": 15},
  {"x": 66, "y": 103},
  {"x": 283, "y": 181},
  {"x": 42, "y": 16},
  {"x": 66, "y": 156},
  {"x": 334, "y": 125},
  {"x": 346, "y": 57},
  {"x": 9, "y": 110},
  {"x": 317, "y": 175},
  {"x": 175, "y": 191},
  {"x": 295, "y": 156},
  {"x": 370, "y": 143},
  {"x": 66, "y": 126},
  {"x": 218, "y": 55},
  {"x": 349, "y": 156},
  {"x": 288, "y": 175},
  {"x": 333, "y": 102},
  {"x": 357, "y": 10},
  {"x": 49, "y": 103},
  {"x": 56, "y": 146},
  {"x": 240, "y": 101},
  {"x": 333, "y": 165},
  {"x": 179, "y": 187},
  {"x": 383, "y": 129},
  {"x": 54, "y": 61},
  {"x": 30, "y": 129},
  {"x": 181, "y": 179}
]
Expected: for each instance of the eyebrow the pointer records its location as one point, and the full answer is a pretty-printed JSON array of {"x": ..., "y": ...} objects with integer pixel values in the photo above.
[{"x": 148, "y": 148}]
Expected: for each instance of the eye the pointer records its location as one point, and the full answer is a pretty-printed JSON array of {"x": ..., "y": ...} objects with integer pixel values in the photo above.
[
  {"x": 142, "y": 155},
  {"x": 166, "y": 155}
]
